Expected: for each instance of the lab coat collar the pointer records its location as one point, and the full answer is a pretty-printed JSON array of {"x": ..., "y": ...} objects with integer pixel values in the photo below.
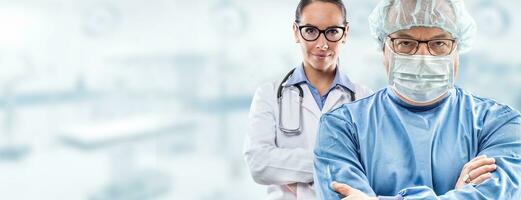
[
  {"x": 299, "y": 76},
  {"x": 334, "y": 97}
]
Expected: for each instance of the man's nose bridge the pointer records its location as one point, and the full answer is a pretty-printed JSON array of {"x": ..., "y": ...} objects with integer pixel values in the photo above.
[{"x": 423, "y": 49}]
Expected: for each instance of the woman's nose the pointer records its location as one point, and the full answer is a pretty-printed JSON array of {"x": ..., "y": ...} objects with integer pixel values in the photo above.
[{"x": 322, "y": 42}]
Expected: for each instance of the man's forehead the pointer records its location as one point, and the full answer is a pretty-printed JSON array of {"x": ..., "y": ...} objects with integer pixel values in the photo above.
[{"x": 422, "y": 33}]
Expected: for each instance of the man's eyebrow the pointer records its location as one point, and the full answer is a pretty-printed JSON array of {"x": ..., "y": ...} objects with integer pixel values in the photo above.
[
  {"x": 402, "y": 34},
  {"x": 439, "y": 36},
  {"x": 442, "y": 36}
]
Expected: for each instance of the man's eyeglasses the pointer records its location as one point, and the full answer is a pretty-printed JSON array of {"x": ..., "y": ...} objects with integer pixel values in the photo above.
[
  {"x": 437, "y": 47},
  {"x": 311, "y": 33}
]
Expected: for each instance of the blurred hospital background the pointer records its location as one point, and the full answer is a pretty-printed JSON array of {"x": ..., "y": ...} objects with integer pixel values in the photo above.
[{"x": 142, "y": 100}]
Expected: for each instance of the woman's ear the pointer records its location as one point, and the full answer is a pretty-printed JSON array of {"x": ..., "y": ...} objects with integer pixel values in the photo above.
[
  {"x": 296, "y": 33},
  {"x": 344, "y": 39}
]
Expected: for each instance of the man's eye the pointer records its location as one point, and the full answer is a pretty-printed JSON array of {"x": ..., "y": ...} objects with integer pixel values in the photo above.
[
  {"x": 438, "y": 43},
  {"x": 405, "y": 43}
]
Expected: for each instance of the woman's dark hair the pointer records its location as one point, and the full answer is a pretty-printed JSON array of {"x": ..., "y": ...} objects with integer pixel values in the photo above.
[{"x": 304, "y": 3}]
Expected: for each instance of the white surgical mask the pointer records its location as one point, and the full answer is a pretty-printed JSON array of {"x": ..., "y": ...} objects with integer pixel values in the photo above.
[{"x": 421, "y": 78}]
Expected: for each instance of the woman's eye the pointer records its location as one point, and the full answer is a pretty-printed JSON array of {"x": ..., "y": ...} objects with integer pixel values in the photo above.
[
  {"x": 310, "y": 30},
  {"x": 332, "y": 32}
]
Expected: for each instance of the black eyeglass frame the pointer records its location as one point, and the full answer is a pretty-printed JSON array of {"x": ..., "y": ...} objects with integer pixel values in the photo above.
[{"x": 343, "y": 28}]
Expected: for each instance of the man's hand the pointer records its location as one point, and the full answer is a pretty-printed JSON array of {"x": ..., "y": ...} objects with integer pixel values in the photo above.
[
  {"x": 292, "y": 188},
  {"x": 350, "y": 193},
  {"x": 476, "y": 171}
]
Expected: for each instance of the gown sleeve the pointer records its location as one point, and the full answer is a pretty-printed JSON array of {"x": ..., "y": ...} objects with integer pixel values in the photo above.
[{"x": 337, "y": 157}]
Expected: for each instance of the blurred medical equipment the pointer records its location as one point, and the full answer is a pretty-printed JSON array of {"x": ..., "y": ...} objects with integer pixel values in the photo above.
[
  {"x": 15, "y": 69},
  {"x": 119, "y": 137},
  {"x": 493, "y": 15}
]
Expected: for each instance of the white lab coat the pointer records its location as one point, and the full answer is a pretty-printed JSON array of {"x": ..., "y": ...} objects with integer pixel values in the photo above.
[{"x": 289, "y": 159}]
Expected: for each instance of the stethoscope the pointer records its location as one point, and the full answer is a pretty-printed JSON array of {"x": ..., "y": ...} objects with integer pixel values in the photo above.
[{"x": 298, "y": 129}]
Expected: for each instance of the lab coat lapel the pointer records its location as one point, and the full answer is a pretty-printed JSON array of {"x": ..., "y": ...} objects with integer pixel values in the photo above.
[
  {"x": 309, "y": 103},
  {"x": 333, "y": 98}
]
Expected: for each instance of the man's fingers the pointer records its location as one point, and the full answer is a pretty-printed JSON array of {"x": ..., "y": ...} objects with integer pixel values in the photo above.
[
  {"x": 478, "y": 157},
  {"x": 481, "y": 178},
  {"x": 341, "y": 188},
  {"x": 482, "y": 170},
  {"x": 467, "y": 165},
  {"x": 478, "y": 163}
]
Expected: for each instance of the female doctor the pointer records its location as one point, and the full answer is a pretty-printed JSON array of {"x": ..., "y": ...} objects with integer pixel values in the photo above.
[{"x": 284, "y": 114}]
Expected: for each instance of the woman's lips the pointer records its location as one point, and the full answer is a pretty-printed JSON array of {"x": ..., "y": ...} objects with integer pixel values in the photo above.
[{"x": 320, "y": 56}]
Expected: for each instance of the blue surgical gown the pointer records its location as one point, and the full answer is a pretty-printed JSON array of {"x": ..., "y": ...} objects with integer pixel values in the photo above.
[{"x": 387, "y": 148}]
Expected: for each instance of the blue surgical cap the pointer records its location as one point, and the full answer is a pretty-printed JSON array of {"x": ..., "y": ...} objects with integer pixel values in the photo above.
[{"x": 390, "y": 16}]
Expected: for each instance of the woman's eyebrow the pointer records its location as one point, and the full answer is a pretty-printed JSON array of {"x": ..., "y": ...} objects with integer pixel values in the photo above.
[{"x": 333, "y": 26}]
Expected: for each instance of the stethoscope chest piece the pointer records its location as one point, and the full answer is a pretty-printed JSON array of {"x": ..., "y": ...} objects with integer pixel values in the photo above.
[{"x": 290, "y": 111}]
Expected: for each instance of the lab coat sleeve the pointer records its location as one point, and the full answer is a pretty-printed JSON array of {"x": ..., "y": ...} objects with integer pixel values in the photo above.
[
  {"x": 268, "y": 163},
  {"x": 500, "y": 138},
  {"x": 337, "y": 157}
]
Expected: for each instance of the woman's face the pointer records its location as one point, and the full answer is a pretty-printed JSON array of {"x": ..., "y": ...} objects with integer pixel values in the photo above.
[{"x": 321, "y": 54}]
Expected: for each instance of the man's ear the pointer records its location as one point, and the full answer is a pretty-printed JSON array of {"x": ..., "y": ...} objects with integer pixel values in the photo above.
[
  {"x": 456, "y": 64},
  {"x": 296, "y": 33},
  {"x": 386, "y": 54}
]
